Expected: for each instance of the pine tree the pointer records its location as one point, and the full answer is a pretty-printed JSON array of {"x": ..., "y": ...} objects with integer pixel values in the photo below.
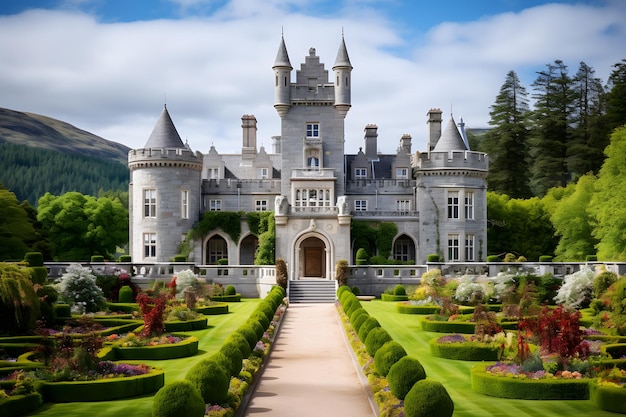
[
  {"x": 506, "y": 143},
  {"x": 616, "y": 97}
]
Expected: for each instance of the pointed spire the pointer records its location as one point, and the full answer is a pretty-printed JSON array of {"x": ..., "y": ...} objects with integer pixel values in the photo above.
[
  {"x": 450, "y": 139},
  {"x": 342, "y": 55},
  {"x": 282, "y": 58},
  {"x": 164, "y": 134}
]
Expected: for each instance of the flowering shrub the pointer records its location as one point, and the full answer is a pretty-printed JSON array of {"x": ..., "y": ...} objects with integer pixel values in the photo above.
[
  {"x": 78, "y": 288},
  {"x": 470, "y": 291},
  {"x": 504, "y": 286},
  {"x": 577, "y": 288},
  {"x": 181, "y": 313},
  {"x": 185, "y": 279}
]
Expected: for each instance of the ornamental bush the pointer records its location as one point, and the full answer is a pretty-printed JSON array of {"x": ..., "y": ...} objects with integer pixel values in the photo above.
[
  {"x": 125, "y": 295},
  {"x": 211, "y": 381},
  {"x": 390, "y": 353},
  {"x": 356, "y": 313},
  {"x": 359, "y": 320},
  {"x": 249, "y": 334},
  {"x": 403, "y": 375},
  {"x": 428, "y": 398},
  {"x": 185, "y": 279},
  {"x": 230, "y": 290},
  {"x": 234, "y": 355},
  {"x": 365, "y": 328},
  {"x": 78, "y": 288},
  {"x": 242, "y": 344},
  {"x": 577, "y": 289},
  {"x": 375, "y": 339},
  {"x": 361, "y": 256},
  {"x": 399, "y": 290},
  {"x": 257, "y": 327},
  {"x": 179, "y": 398}
]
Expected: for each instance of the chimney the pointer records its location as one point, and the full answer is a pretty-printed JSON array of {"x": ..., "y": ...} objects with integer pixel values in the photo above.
[
  {"x": 371, "y": 142},
  {"x": 405, "y": 143},
  {"x": 434, "y": 127},
  {"x": 248, "y": 125}
]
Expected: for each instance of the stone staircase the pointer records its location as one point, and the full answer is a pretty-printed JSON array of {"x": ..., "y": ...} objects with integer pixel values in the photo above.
[{"x": 312, "y": 291}]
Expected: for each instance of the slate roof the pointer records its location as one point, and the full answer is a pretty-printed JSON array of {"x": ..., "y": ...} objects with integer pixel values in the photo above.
[
  {"x": 451, "y": 139},
  {"x": 164, "y": 134}
]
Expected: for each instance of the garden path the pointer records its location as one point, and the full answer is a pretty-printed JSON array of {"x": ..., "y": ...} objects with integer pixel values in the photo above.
[{"x": 311, "y": 370}]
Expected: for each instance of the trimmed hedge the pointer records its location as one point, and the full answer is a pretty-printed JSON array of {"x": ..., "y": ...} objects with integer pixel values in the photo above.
[
  {"x": 429, "y": 325},
  {"x": 390, "y": 353},
  {"x": 403, "y": 375},
  {"x": 615, "y": 350},
  {"x": 358, "y": 321},
  {"x": 428, "y": 398},
  {"x": 394, "y": 297},
  {"x": 125, "y": 294},
  {"x": 467, "y": 351},
  {"x": 608, "y": 398},
  {"x": 211, "y": 380},
  {"x": 62, "y": 310},
  {"x": 102, "y": 389},
  {"x": 375, "y": 339},
  {"x": 123, "y": 307},
  {"x": 185, "y": 326},
  {"x": 227, "y": 298},
  {"x": 528, "y": 389},
  {"x": 366, "y": 327},
  {"x": 417, "y": 309},
  {"x": 179, "y": 398},
  {"x": 234, "y": 355},
  {"x": 212, "y": 310},
  {"x": 18, "y": 405},
  {"x": 184, "y": 348}
]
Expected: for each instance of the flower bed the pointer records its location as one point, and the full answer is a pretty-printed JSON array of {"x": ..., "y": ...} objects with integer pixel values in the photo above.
[
  {"x": 431, "y": 325},
  {"x": 211, "y": 310},
  {"x": 609, "y": 394},
  {"x": 185, "y": 326},
  {"x": 459, "y": 347},
  {"x": 408, "y": 308},
  {"x": 508, "y": 382},
  {"x": 227, "y": 298},
  {"x": 172, "y": 347}
]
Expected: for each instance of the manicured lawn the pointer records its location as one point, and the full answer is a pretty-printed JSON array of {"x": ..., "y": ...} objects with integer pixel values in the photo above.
[
  {"x": 455, "y": 375},
  {"x": 210, "y": 340}
]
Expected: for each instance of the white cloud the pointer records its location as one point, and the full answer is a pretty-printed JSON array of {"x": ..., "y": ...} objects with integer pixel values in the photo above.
[{"x": 111, "y": 78}]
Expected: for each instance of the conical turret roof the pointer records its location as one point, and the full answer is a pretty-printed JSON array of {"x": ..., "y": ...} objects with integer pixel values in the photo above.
[
  {"x": 282, "y": 58},
  {"x": 164, "y": 134},
  {"x": 450, "y": 139},
  {"x": 342, "y": 56}
]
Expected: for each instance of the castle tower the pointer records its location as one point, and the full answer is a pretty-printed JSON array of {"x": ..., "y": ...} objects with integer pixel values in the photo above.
[
  {"x": 451, "y": 196},
  {"x": 282, "y": 80},
  {"x": 343, "y": 71},
  {"x": 164, "y": 193}
]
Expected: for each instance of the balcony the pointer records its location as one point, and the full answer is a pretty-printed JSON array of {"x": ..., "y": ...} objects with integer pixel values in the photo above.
[
  {"x": 371, "y": 186},
  {"x": 306, "y": 174}
]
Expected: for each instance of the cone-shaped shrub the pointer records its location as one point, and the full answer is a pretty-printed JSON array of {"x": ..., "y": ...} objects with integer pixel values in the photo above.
[
  {"x": 178, "y": 398},
  {"x": 242, "y": 344},
  {"x": 403, "y": 375},
  {"x": 375, "y": 339},
  {"x": 428, "y": 398},
  {"x": 125, "y": 295},
  {"x": 358, "y": 321},
  {"x": 365, "y": 328},
  {"x": 211, "y": 380},
  {"x": 390, "y": 353},
  {"x": 234, "y": 355}
]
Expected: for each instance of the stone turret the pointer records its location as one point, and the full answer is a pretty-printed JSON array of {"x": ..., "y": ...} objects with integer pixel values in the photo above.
[
  {"x": 343, "y": 70},
  {"x": 282, "y": 83}
]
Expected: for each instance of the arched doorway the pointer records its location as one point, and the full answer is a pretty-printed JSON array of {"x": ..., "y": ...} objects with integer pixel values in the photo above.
[
  {"x": 404, "y": 249},
  {"x": 247, "y": 250},
  {"x": 312, "y": 258},
  {"x": 216, "y": 249}
]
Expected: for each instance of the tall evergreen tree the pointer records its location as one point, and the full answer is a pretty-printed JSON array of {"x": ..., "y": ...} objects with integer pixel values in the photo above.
[
  {"x": 616, "y": 97},
  {"x": 506, "y": 143},
  {"x": 585, "y": 152},
  {"x": 552, "y": 127}
]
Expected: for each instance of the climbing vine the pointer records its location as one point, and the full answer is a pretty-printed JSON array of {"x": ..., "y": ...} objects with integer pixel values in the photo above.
[
  {"x": 265, "y": 253},
  {"x": 374, "y": 235},
  {"x": 229, "y": 222}
]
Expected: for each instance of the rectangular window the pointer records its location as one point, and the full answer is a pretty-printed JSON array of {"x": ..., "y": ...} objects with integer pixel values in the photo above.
[
  {"x": 213, "y": 173},
  {"x": 262, "y": 173},
  {"x": 453, "y": 247},
  {"x": 360, "y": 205},
  {"x": 149, "y": 245},
  {"x": 403, "y": 206},
  {"x": 215, "y": 205},
  {"x": 184, "y": 204},
  {"x": 149, "y": 203},
  {"x": 312, "y": 130},
  {"x": 469, "y": 247},
  {"x": 260, "y": 205},
  {"x": 402, "y": 173},
  {"x": 360, "y": 173},
  {"x": 469, "y": 205},
  {"x": 313, "y": 198},
  {"x": 453, "y": 204}
]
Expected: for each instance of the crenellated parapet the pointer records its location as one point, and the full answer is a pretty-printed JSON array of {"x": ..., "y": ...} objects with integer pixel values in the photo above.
[
  {"x": 452, "y": 160},
  {"x": 164, "y": 157}
]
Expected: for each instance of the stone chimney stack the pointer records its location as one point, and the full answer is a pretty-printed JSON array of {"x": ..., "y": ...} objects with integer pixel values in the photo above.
[
  {"x": 434, "y": 127},
  {"x": 371, "y": 142}
]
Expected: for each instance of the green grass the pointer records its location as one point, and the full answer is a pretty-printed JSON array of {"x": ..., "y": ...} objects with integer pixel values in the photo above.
[
  {"x": 209, "y": 341},
  {"x": 455, "y": 375}
]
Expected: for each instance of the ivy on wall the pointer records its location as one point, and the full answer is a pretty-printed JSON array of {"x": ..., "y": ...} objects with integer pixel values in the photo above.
[
  {"x": 374, "y": 236},
  {"x": 229, "y": 222},
  {"x": 266, "y": 231}
]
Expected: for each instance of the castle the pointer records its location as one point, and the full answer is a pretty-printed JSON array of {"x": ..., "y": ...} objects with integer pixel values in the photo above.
[{"x": 436, "y": 198}]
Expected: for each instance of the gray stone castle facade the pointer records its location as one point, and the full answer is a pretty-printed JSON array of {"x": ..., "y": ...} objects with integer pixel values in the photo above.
[{"x": 436, "y": 198}]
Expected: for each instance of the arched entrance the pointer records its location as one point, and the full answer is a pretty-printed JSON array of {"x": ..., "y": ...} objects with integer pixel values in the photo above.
[
  {"x": 247, "y": 250},
  {"x": 312, "y": 258},
  {"x": 404, "y": 249},
  {"x": 216, "y": 249}
]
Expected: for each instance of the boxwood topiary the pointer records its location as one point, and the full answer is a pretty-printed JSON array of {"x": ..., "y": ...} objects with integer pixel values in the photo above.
[
  {"x": 399, "y": 290},
  {"x": 211, "y": 380},
  {"x": 242, "y": 344},
  {"x": 261, "y": 318},
  {"x": 179, "y": 398},
  {"x": 230, "y": 290},
  {"x": 403, "y": 375},
  {"x": 428, "y": 398},
  {"x": 355, "y": 305},
  {"x": 234, "y": 355},
  {"x": 125, "y": 294},
  {"x": 356, "y": 313},
  {"x": 359, "y": 320},
  {"x": 390, "y": 353},
  {"x": 375, "y": 339},
  {"x": 249, "y": 334},
  {"x": 257, "y": 327},
  {"x": 365, "y": 328}
]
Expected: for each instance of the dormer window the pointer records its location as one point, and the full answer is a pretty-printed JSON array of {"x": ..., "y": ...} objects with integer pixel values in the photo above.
[
  {"x": 312, "y": 130},
  {"x": 402, "y": 173},
  {"x": 360, "y": 173},
  {"x": 262, "y": 173}
]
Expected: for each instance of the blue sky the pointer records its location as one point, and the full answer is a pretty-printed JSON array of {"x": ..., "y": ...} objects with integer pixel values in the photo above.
[{"x": 107, "y": 66}]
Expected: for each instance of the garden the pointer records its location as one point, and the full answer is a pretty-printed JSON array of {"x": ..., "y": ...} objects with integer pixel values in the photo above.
[
  {"x": 506, "y": 345},
  {"x": 94, "y": 345}
]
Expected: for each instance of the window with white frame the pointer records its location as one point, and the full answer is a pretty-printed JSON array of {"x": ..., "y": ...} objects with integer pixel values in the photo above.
[
  {"x": 149, "y": 203},
  {"x": 313, "y": 162},
  {"x": 313, "y": 197},
  {"x": 402, "y": 250},
  {"x": 213, "y": 173},
  {"x": 360, "y": 173},
  {"x": 149, "y": 245},
  {"x": 453, "y": 204},
  {"x": 403, "y": 206},
  {"x": 469, "y": 205},
  {"x": 402, "y": 173},
  {"x": 215, "y": 205},
  {"x": 469, "y": 247},
  {"x": 453, "y": 247},
  {"x": 184, "y": 204},
  {"x": 260, "y": 205},
  {"x": 262, "y": 173},
  {"x": 312, "y": 130},
  {"x": 360, "y": 205}
]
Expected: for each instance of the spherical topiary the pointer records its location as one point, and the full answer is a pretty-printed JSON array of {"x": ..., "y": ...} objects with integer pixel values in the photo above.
[
  {"x": 261, "y": 318},
  {"x": 125, "y": 294},
  {"x": 403, "y": 375},
  {"x": 365, "y": 328},
  {"x": 390, "y": 353},
  {"x": 347, "y": 302},
  {"x": 211, "y": 380},
  {"x": 341, "y": 290},
  {"x": 230, "y": 290},
  {"x": 221, "y": 359},
  {"x": 234, "y": 355},
  {"x": 356, "y": 313},
  {"x": 375, "y": 339},
  {"x": 428, "y": 398},
  {"x": 248, "y": 332},
  {"x": 356, "y": 304},
  {"x": 242, "y": 344},
  {"x": 356, "y": 291},
  {"x": 267, "y": 308},
  {"x": 257, "y": 327},
  {"x": 178, "y": 398},
  {"x": 359, "y": 320},
  {"x": 399, "y": 290}
]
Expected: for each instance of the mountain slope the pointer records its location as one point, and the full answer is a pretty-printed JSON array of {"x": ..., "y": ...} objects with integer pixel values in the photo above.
[{"x": 44, "y": 132}]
